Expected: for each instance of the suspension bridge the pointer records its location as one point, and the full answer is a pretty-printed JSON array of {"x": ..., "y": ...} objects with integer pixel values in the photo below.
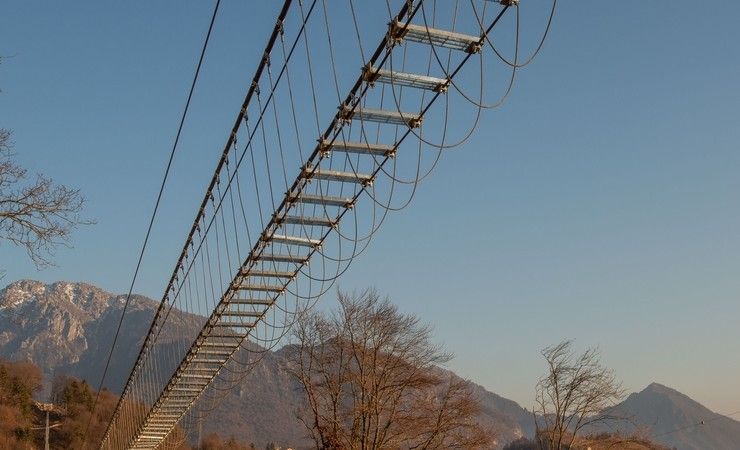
[{"x": 340, "y": 123}]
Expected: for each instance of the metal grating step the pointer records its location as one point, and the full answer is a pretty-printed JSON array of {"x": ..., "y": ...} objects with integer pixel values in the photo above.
[
  {"x": 307, "y": 221},
  {"x": 373, "y": 75},
  {"x": 234, "y": 325},
  {"x": 293, "y": 240},
  {"x": 273, "y": 257},
  {"x": 193, "y": 384},
  {"x": 229, "y": 313},
  {"x": 324, "y": 200},
  {"x": 197, "y": 360},
  {"x": 207, "y": 361},
  {"x": 266, "y": 273},
  {"x": 335, "y": 175},
  {"x": 364, "y": 148},
  {"x": 381, "y": 116},
  {"x": 219, "y": 345},
  {"x": 205, "y": 351},
  {"x": 260, "y": 288},
  {"x": 442, "y": 38},
  {"x": 250, "y": 301}
]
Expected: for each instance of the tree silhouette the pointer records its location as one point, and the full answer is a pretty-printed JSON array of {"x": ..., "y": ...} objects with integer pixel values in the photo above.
[
  {"x": 371, "y": 380},
  {"x": 572, "y": 395}
]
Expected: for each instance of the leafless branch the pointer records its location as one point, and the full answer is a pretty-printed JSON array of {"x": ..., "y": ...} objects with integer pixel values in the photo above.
[
  {"x": 35, "y": 214},
  {"x": 572, "y": 395},
  {"x": 371, "y": 380}
]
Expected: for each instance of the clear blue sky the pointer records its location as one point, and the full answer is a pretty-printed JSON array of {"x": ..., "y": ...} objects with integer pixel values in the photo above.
[{"x": 602, "y": 203}]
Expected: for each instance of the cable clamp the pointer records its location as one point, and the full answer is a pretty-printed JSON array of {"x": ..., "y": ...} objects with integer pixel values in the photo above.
[
  {"x": 345, "y": 113},
  {"x": 369, "y": 74},
  {"x": 477, "y": 46},
  {"x": 324, "y": 148},
  {"x": 396, "y": 33},
  {"x": 441, "y": 88}
]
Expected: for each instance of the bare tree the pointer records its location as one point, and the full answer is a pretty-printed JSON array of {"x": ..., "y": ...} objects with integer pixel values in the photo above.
[
  {"x": 371, "y": 381},
  {"x": 572, "y": 395},
  {"x": 35, "y": 213}
]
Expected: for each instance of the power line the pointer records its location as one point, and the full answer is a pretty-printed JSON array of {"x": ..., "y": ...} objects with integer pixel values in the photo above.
[{"x": 154, "y": 214}]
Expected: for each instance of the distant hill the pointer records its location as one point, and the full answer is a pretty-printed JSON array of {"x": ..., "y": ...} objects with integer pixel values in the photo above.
[
  {"x": 675, "y": 420},
  {"x": 66, "y": 328}
]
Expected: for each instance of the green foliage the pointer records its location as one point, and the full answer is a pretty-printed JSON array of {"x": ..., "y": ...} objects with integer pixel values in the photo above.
[{"x": 78, "y": 394}]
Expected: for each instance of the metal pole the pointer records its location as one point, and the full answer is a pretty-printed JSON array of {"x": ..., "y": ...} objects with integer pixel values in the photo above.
[{"x": 46, "y": 433}]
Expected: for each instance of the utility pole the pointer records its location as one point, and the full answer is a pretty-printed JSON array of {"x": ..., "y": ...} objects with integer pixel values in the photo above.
[
  {"x": 47, "y": 408},
  {"x": 46, "y": 432}
]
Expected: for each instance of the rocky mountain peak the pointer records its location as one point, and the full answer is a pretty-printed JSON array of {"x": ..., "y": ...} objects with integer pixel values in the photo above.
[
  {"x": 86, "y": 300},
  {"x": 49, "y": 324},
  {"x": 20, "y": 292},
  {"x": 68, "y": 328},
  {"x": 676, "y": 420},
  {"x": 659, "y": 389}
]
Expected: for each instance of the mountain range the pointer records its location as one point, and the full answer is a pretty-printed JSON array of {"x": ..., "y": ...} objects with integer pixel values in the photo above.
[
  {"x": 67, "y": 328},
  {"x": 675, "y": 420}
]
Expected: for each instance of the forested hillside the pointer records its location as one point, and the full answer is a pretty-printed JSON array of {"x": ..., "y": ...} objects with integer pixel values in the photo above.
[{"x": 22, "y": 419}]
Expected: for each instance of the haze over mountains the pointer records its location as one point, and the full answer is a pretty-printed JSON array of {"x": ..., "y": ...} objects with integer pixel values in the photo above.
[{"x": 68, "y": 328}]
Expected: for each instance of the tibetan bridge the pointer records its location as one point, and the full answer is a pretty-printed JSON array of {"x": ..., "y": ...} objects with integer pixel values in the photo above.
[{"x": 344, "y": 116}]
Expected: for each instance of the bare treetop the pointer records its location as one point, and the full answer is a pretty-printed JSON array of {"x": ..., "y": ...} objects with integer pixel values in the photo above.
[
  {"x": 573, "y": 394},
  {"x": 370, "y": 379},
  {"x": 35, "y": 213}
]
